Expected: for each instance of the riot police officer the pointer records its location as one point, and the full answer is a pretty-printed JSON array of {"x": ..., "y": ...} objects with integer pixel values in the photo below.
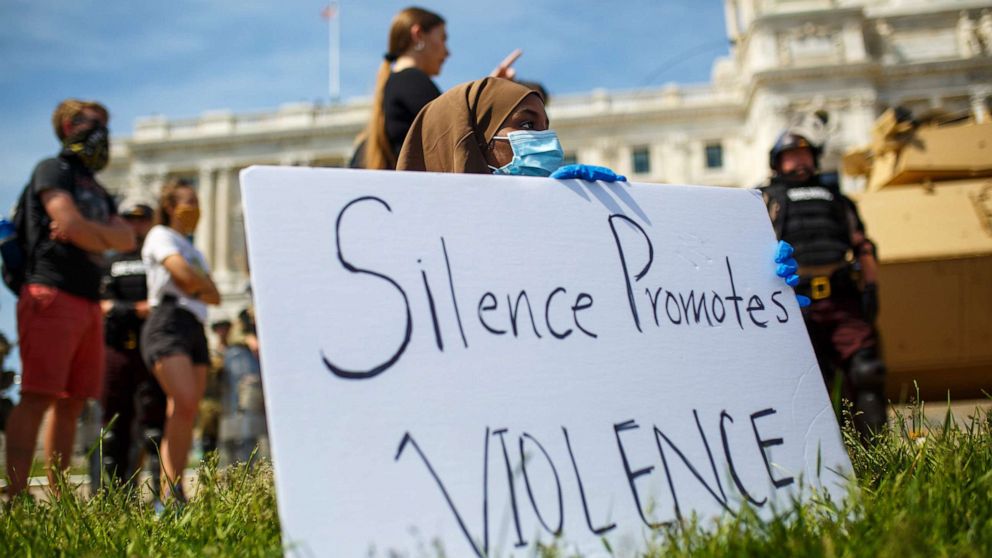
[
  {"x": 133, "y": 403},
  {"x": 837, "y": 270}
]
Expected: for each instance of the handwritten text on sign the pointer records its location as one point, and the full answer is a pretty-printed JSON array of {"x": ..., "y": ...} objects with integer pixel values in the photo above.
[{"x": 492, "y": 362}]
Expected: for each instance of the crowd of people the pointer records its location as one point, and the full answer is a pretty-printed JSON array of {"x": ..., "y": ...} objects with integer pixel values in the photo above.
[
  {"x": 129, "y": 330},
  {"x": 152, "y": 296},
  {"x": 112, "y": 304}
]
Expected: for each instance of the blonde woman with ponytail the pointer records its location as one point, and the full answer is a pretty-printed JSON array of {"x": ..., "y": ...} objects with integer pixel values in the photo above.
[{"x": 416, "y": 51}]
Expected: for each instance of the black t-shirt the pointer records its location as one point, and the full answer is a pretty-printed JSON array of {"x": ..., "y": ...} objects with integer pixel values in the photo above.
[
  {"x": 62, "y": 265},
  {"x": 124, "y": 282},
  {"x": 405, "y": 93}
]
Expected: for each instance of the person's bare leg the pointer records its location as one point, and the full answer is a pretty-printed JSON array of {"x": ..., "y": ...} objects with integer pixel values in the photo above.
[
  {"x": 22, "y": 435},
  {"x": 184, "y": 385},
  {"x": 60, "y": 434}
]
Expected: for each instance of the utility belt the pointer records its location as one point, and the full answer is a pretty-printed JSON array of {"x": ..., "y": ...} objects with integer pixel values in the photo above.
[
  {"x": 843, "y": 281},
  {"x": 124, "y": 338},
  {"x": 122, "y": 328}
]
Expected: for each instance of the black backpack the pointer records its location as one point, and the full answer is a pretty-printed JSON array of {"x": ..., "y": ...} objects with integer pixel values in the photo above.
[{"x": 17, "y": 248}]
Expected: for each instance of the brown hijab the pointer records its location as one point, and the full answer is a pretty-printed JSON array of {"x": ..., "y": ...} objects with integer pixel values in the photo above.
[{"x": 453, "y": 131}]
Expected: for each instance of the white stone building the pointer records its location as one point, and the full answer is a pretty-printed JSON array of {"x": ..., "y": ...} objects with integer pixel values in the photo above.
[{"x": 852, "y": 58}]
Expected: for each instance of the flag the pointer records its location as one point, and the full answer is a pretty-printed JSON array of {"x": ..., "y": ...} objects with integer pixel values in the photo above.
[
  {"x": 329, "y": 11},
  {"x": 332, "y": 15}
]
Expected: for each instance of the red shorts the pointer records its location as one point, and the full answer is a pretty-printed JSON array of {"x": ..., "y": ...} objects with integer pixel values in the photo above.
[{"x": 61, "y": 343}]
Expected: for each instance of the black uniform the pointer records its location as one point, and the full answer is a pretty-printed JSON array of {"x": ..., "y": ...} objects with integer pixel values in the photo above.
[
  {"x": 130, "y": 392},
  {"x": 824, "y": 227}
]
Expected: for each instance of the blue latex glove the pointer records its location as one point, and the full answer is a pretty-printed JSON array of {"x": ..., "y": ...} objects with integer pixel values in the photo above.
[
  {"x": 787, "y": 268},
  {"x": 588, "y": 172}
]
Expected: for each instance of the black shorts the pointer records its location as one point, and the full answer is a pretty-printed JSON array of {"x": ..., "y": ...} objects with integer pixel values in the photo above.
[{"x": 173, "y": 330}]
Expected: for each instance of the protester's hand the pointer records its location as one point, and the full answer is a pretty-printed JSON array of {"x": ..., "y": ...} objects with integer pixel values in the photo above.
[
  {"x": 505, "y": 69},
  {"x": 251, "y": 341},
  {"x": 588, "y": 172},
  {"x": 786, "y": 268},
  {"x": 106, "y": 305},
  {"x": 141, "y": 309},
  {"x": 869, "y": 302},
  {"x": 56, "y": 233}
]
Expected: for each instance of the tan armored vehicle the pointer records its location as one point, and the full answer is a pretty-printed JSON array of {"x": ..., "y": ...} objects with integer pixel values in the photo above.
[{"x": 928, "y": 207}]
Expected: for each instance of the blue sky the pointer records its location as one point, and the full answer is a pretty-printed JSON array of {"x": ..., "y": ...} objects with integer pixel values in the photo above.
[{"x": 184, "y": 57}]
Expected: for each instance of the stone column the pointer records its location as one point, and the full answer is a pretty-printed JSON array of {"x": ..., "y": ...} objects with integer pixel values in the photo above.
[
  {"x": 657, "y": 158},
  {"x": 746, "y": 11},
  {"x": 979, "y": 105},
  {"x": 732, "y": 19},
  {"x": 222, "y": 226},
  {"x": 884, "y": 31},
  {"x": 985, "y": 30},
  {"x": 854, "y": 41},
  {"x": 238, "y": 253},
  {"x": 680, "y": 159},
  {"x": 968, "y": 44},
  {"x": 856, "y": 124},
  {"x": 204, "y": 230}
]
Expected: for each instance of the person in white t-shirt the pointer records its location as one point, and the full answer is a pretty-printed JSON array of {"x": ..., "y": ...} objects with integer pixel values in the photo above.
[{"x": 173, "y": 343}]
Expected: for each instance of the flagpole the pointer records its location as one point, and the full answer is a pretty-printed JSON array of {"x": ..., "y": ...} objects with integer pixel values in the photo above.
[{"x": 334, "y": 52}]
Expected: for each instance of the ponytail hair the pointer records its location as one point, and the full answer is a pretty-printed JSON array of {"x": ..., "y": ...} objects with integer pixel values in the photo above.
[{"x": 378, "y": 150}]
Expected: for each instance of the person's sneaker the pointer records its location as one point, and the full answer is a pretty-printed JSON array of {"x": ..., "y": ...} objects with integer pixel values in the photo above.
[{"x": 176, "y": 501}]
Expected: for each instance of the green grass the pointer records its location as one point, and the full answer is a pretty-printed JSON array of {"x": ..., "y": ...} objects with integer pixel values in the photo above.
[
  {"x": 921, "y": 491},
  {"x": 38, "y": 469},
  {"x": 233, "y": 514}
]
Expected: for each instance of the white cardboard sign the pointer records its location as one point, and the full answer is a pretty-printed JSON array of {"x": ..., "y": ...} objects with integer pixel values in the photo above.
[{"x": 485, "y": 363}]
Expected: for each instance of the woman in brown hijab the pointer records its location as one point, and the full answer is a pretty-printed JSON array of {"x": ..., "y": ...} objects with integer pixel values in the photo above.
[
  {"x": 497, "y": 126},
  {"x": 489, "y": 126}
]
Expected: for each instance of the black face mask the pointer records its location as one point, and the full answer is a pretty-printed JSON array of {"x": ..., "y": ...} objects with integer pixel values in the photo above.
[
  {"x": 800, "y": 175},
  {"x": 91, "y": 146}
]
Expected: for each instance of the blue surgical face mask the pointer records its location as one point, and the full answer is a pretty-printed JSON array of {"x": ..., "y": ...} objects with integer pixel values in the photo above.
[{"x": 534, "y": 153}]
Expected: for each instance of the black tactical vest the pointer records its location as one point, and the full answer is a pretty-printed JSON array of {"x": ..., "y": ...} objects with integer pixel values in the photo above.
[
  {"x": 813, "y": 218},
  {"x": 124, "y": 281}
]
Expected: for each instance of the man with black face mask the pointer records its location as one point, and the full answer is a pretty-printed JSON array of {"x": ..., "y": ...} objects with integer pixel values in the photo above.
[
  {"x": 70, "y": 222},
  {"x": 837, "y": 270}
]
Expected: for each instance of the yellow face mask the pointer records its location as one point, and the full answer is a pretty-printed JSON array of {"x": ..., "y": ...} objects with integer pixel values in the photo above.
[{"x": 185, "y": 218}]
